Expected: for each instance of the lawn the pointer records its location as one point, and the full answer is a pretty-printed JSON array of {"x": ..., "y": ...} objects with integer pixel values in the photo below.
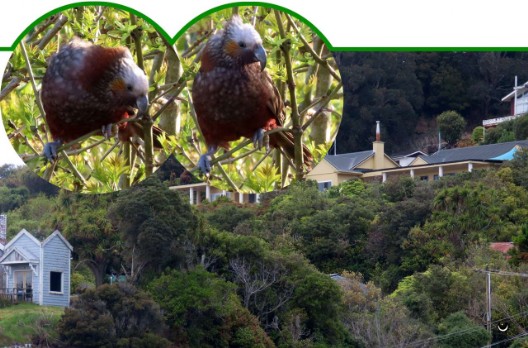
[{"x": 18, "y": 323}]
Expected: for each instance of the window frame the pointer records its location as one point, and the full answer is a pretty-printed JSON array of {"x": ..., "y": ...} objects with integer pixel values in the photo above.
[{"x": 61, "y": 291}]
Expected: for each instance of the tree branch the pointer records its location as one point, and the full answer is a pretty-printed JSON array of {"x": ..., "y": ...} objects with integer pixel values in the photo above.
[{"x": 296, "y": 120}]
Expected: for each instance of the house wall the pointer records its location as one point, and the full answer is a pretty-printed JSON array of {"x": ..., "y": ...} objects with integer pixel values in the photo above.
[
  {"x": 521, "y": 106},
  {"x": 324, "y": 171},
  {"x": 56, "y": 258}
]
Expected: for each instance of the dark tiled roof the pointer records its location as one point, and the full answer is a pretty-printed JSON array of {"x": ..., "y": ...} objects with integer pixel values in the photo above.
[
  {"x": 348, "y": 161},
  {"x": 475, "y": 153}
]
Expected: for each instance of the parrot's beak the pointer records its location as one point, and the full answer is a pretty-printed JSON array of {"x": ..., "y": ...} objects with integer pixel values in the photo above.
[
  {"x": 260, "y": 55},
  {"x": 142, "y": 103}
]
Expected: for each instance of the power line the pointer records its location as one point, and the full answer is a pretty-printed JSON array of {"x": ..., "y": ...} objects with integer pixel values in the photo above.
[
  {"x": 507, "y": 339},
  {"x": 442, "y": 337}
]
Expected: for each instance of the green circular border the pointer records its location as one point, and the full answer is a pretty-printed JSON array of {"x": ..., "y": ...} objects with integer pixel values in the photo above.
[{"x": 173, "y": 39}]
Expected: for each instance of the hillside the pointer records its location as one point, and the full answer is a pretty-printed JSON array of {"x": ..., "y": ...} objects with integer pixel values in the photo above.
[
  {"x": 407, "y": 90},
  {"x": 406, "y": 258}
]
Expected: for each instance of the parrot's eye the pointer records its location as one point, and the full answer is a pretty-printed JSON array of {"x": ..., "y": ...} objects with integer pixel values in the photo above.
[
  {"x": 242, "y": 44},
  {"x": 129, "y": 87}
]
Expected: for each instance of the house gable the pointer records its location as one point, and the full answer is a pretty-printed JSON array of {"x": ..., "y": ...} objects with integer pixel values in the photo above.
[
  {"x": 370, "y": 165},
  {"x": 57, "y": 234},
  {"x": 17, "y": 255},
  {"x": 23, "y": 237}
]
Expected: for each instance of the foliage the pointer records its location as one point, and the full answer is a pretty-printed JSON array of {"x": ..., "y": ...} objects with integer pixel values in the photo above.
[
  {"x": 228, "y": 215},
  {"x": 409, "y": 206},
  {"x": 519, "y": 168},
  {"x": 203, "y": 310},
  {"x": 24, "y": 321},
  {"x": 457, "y": 330},
  {"x": 314, "y": 88},
  {"x": 433, "y": 294},
  {"x": 36, "y": 216},
  {"x": 112, "y": 316},
  {"x": 451, "y": 125},
  {"x": 320, "y": 298},
  {"x": 83, "y": 221},
  {"x": 473, "y": 211},
  {"x": 520, "y": 253},
  {"x": 376, "y": 320},
  {"x": 478, "y": 134},
  {"x": 93, "y": 164},
  {"x": 516, "y": 129},
  {"x": 333, "y": 238},
  {"x": 520, "y": 127},
  {"x": 11, "y": 198},
  {"x": 81, "y": 279},
  {"x": 350, "y": 188},
  {"x": 155, "y": 225}
]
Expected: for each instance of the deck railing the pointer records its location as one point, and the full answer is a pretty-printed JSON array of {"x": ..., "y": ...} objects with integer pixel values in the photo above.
[{"x": 15, "y": 295}]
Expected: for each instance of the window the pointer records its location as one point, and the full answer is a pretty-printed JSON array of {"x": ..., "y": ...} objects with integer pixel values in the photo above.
[
  {"x": 424, "y": 178},
  {"x": 55, "y": 281},
  {"x": 324, "y": 185}
]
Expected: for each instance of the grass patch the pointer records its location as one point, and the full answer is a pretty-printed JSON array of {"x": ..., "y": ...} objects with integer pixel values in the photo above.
[{"x": 19, "y": 323}]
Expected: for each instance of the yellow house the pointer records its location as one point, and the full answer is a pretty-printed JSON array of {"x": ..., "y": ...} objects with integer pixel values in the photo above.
[{"x": 376, "y": 165}]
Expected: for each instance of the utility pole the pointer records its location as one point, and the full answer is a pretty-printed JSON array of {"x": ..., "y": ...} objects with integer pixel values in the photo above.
[{"x": 488, "y": 292}]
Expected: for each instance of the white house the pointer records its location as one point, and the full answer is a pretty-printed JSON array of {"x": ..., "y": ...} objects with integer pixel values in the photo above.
[
  {"x": 37, "y": 271},
  {"x": 518, "y": 100}
]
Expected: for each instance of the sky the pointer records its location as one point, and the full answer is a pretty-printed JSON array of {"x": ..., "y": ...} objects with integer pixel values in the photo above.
[
  {"x": 7, "y": 153},
  {"x": 365, "y": 24}
]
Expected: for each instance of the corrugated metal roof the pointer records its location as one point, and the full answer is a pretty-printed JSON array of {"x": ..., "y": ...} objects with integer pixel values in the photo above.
[
  {"x": 348, "y": 161},
  {"x": 476, "y": 153}
]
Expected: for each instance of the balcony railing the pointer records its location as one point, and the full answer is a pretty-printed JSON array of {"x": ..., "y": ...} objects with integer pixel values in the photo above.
[{"x": 15, "y": 295}]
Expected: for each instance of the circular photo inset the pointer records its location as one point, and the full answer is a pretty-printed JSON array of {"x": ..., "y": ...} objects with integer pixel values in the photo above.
[
  {"x": 264, "y": 99},
  {"x": 90, "y": 99}
]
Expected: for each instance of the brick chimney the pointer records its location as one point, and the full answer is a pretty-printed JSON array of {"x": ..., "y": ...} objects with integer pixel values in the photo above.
[{"x": 378, "y": 147}]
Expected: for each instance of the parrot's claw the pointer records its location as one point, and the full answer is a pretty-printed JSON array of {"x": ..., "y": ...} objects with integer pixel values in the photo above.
[
  {"x": 204, "y": 163},
  {"x": 50, "y": 150},
  {"x": 258, "y": 139},
  {"x": 107, "y": 131}
]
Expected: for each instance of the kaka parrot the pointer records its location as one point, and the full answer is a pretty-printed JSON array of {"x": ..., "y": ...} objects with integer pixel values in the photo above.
[
  {"x": 235, "y": 97},
  {"x": 88, "y": 87}
]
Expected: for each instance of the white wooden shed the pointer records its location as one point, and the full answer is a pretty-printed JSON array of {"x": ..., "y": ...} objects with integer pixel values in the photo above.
[{"x": 37, "y": 271}]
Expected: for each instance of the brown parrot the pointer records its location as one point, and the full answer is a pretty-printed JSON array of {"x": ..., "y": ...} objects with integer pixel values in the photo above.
[
  {"x": 235, "y": 97},
  {"x": 88, "y": 87}
]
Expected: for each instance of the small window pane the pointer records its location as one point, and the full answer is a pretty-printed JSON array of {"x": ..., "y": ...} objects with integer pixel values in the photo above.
[
  {"x": 324, "y": 185},
  {"x": 56, "y": 281}
]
